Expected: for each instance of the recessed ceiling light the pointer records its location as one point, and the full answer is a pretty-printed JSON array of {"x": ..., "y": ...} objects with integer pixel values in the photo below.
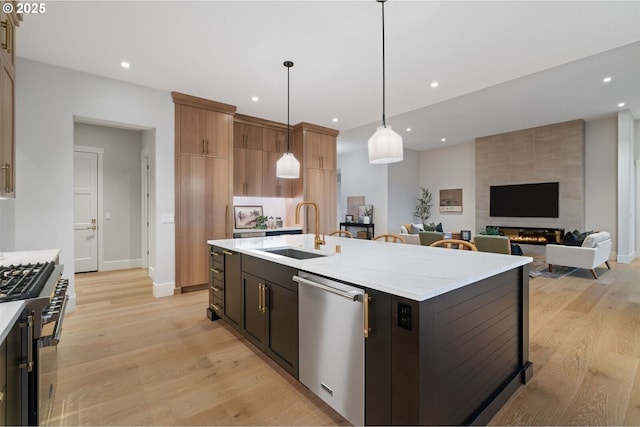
[
  {"x": 334, "y": 120},
  {"x": 443, "y": 139},
  {"x": 621, "y": 104},
  {"x": 125, "y": 64},
  {"x": 255, "y": 99},
  {"x": 606, "y": 79},
  {"x": 408, "y": 129},
  {"x": 435, "y": 84}
]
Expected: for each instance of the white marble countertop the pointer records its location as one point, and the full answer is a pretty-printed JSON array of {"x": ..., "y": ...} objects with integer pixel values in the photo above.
[
  {"x": 410, "y": 271},
  {"x": 262, "y": 230},
  {"x": 9, "y": 313},
  {"x": 29, "y": 257}
]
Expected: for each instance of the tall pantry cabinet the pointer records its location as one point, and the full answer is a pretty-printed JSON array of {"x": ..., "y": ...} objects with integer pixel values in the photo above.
[
  {"x": 8, "y": 24},
  {"x": 316, "y": 147},
  {"x": 203, "y": 183}
]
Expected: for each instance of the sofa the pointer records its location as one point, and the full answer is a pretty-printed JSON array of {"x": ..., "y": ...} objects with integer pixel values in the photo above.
[
  {"x": 408, "y": 236},
  {"x": 594, "y": 251}
]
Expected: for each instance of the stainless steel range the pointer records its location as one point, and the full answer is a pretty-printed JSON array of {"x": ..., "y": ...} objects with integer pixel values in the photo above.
[{"x": 44, "y": 292}]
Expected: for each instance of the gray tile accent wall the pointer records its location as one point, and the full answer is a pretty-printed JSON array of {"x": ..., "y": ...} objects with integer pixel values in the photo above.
[{"x": 543, "y": 154}]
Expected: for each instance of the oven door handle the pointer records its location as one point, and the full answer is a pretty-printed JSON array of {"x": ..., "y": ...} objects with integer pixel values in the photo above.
[{"x": 54, "y": 338}]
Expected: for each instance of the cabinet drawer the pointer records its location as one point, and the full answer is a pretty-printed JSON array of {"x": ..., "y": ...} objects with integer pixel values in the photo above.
[
  {"x": 217, "y": 291},
  {"x": 217, "y": 307}
]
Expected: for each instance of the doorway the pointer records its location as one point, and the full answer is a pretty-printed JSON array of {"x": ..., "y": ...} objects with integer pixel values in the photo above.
[{"x": 121, "y": 218}]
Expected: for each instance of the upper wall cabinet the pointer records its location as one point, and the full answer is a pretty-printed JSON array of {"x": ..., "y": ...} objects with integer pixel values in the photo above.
[
  {"x": 274, "y": 140},
  {"x": 8, "y": 24},
  {"x": 319, "y": 150},
  {"x": 247, "y": 136},
  {"x": 204, "y": 132}
]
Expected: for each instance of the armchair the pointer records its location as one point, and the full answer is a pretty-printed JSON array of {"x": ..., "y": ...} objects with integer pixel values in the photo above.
[{"x": 595, "y": 250}]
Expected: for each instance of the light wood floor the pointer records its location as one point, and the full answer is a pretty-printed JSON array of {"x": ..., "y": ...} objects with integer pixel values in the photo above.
[{"x": 127, "y": 358}]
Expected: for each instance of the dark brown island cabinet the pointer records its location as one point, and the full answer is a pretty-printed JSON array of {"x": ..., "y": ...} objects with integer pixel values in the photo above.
[{"x": 453, "y": 359}]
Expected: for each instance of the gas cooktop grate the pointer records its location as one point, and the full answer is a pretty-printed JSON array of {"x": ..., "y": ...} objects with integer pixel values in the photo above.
[{"x": 18, "y": 282}]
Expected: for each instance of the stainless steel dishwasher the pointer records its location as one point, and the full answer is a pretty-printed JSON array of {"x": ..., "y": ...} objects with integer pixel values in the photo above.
[{"x": 331, "y": 340}]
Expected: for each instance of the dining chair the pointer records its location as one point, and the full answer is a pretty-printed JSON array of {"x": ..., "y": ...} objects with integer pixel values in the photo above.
[
  {"x": 393, "y": 238},
  {"x": 341, "y": 233},
  {"x": 449, "y": 243},
  {"x": 495, "y": 244}
]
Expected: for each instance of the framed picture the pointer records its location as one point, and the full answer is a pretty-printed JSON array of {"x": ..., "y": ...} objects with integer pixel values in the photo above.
[
  {"x": 348, "y": 218},
  {"x": 451, "y": 200},
  {"x": 245, "y": 216}
]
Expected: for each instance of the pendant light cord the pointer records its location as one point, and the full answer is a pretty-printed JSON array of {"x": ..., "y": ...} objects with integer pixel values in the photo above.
[
  {"x": 288, "y": 125},
  {"x": 384, "y": 118}
]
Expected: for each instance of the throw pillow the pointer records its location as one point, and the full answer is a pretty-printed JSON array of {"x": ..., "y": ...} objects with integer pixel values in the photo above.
[
  {"x": 415, "y": 228},
  {"x": 439, "y": 227}
]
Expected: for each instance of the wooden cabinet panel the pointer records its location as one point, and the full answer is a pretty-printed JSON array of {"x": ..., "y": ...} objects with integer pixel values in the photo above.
[
  {"x": 192, "y": 129},
  {"x": 247, "y": 172},
  {"x": 282, "y": 334},
  {"x": 321, "y": 187},
  {"x": 7, "y": 103},
  {"x": 191, "y": 245},
  {"x": 201, "y": 215},
  {"x": 233, "y": 287},
  {"x": 247, "y": 136},
  {"x": 218, "y": 127},
  {"x": 255, "y": 322},
  {"x": 274, "y": 140},
  {"x": 216, "y": 193},
  {"x": 320, "y": 151},
  {"x": 7, "y": 129},
  {"x": 272, "y": 186},
  {"x": 203, "y": 132}
]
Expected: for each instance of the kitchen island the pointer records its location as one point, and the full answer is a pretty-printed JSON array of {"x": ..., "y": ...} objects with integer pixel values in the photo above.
[{"x": 448, "y": 329}]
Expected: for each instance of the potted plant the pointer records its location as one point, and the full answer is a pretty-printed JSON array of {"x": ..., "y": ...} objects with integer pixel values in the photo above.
[
  {"x": 423, "y": 208},
  {"x": 366, "y": 218},
  {"x": 261, "y": 221}
]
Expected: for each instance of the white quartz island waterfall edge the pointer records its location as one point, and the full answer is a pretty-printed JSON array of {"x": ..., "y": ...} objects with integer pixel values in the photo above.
[{"x": 410, "y": 271}]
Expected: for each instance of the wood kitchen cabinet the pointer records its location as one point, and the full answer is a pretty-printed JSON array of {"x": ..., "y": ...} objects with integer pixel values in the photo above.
[
  {"x": 9, "y": 23},
  {"x": 203, "y": 183},
  {"x": 204, "y": 132},
  {"x": 270, "y": 308},
  {"x": 316, "y": 146},
  {"x": 247, "y": 177}
]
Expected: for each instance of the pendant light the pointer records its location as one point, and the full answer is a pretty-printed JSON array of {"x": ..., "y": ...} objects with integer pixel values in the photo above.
[
  {"x": 385, "y": 146},
  {"x": 288, "y": 166}
]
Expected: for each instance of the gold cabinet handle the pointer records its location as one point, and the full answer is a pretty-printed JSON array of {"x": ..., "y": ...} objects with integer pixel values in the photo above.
[
  {"x": 1, "y": 396},
  {"x": 367, "y": 329},
  {"x": 216, "y": 271},
  {"x": 260, "y": 297},
  {"x": 216, "y": 289},
  {"x": 8, "y": 35},
  {"x": 29, "y": 325},
  {"x": 207, "y": 147},
  {"x": 264, "y": 298},
  {"x": 8, "y": 184},
  {"x": 215, "y": 253},
  {"x": 227, "y": 252},
  {"x": 216, "y": 307}
]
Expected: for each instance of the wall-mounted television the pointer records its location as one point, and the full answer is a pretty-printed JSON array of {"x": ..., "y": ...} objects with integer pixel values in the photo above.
[{"x": 539, "y": 200}]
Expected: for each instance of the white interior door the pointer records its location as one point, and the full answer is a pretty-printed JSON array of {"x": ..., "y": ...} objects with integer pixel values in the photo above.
[{"x": 85, "y": 211}]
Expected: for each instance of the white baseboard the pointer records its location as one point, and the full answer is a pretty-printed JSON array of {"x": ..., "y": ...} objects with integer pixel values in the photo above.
[
  {"x": 626, "y": 259},
  {"x": 122, "y": 264},
  {"x": 71, "y": 304},
  {"x": 163, "y": 289}
]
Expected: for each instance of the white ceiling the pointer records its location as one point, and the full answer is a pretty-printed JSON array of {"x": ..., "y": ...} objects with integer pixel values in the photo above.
[{"x": 501, "y": 65}]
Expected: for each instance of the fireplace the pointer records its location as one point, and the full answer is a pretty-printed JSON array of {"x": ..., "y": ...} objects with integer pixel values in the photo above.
[{"x": 531, "y": 235}]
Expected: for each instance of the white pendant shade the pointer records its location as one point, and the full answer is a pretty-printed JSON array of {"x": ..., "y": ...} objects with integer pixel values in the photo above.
[
  {"x": 385, "y": 146},
  {"x": 288, "y": 167}
]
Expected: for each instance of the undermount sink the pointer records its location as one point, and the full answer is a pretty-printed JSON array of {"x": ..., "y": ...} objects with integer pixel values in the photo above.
[{"x": 294, "y": 253}]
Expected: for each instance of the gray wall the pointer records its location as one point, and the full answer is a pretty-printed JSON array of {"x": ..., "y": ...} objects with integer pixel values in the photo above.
[
  {"x": 122, "y": 197},
  {"x": 553, "y": 153}
]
